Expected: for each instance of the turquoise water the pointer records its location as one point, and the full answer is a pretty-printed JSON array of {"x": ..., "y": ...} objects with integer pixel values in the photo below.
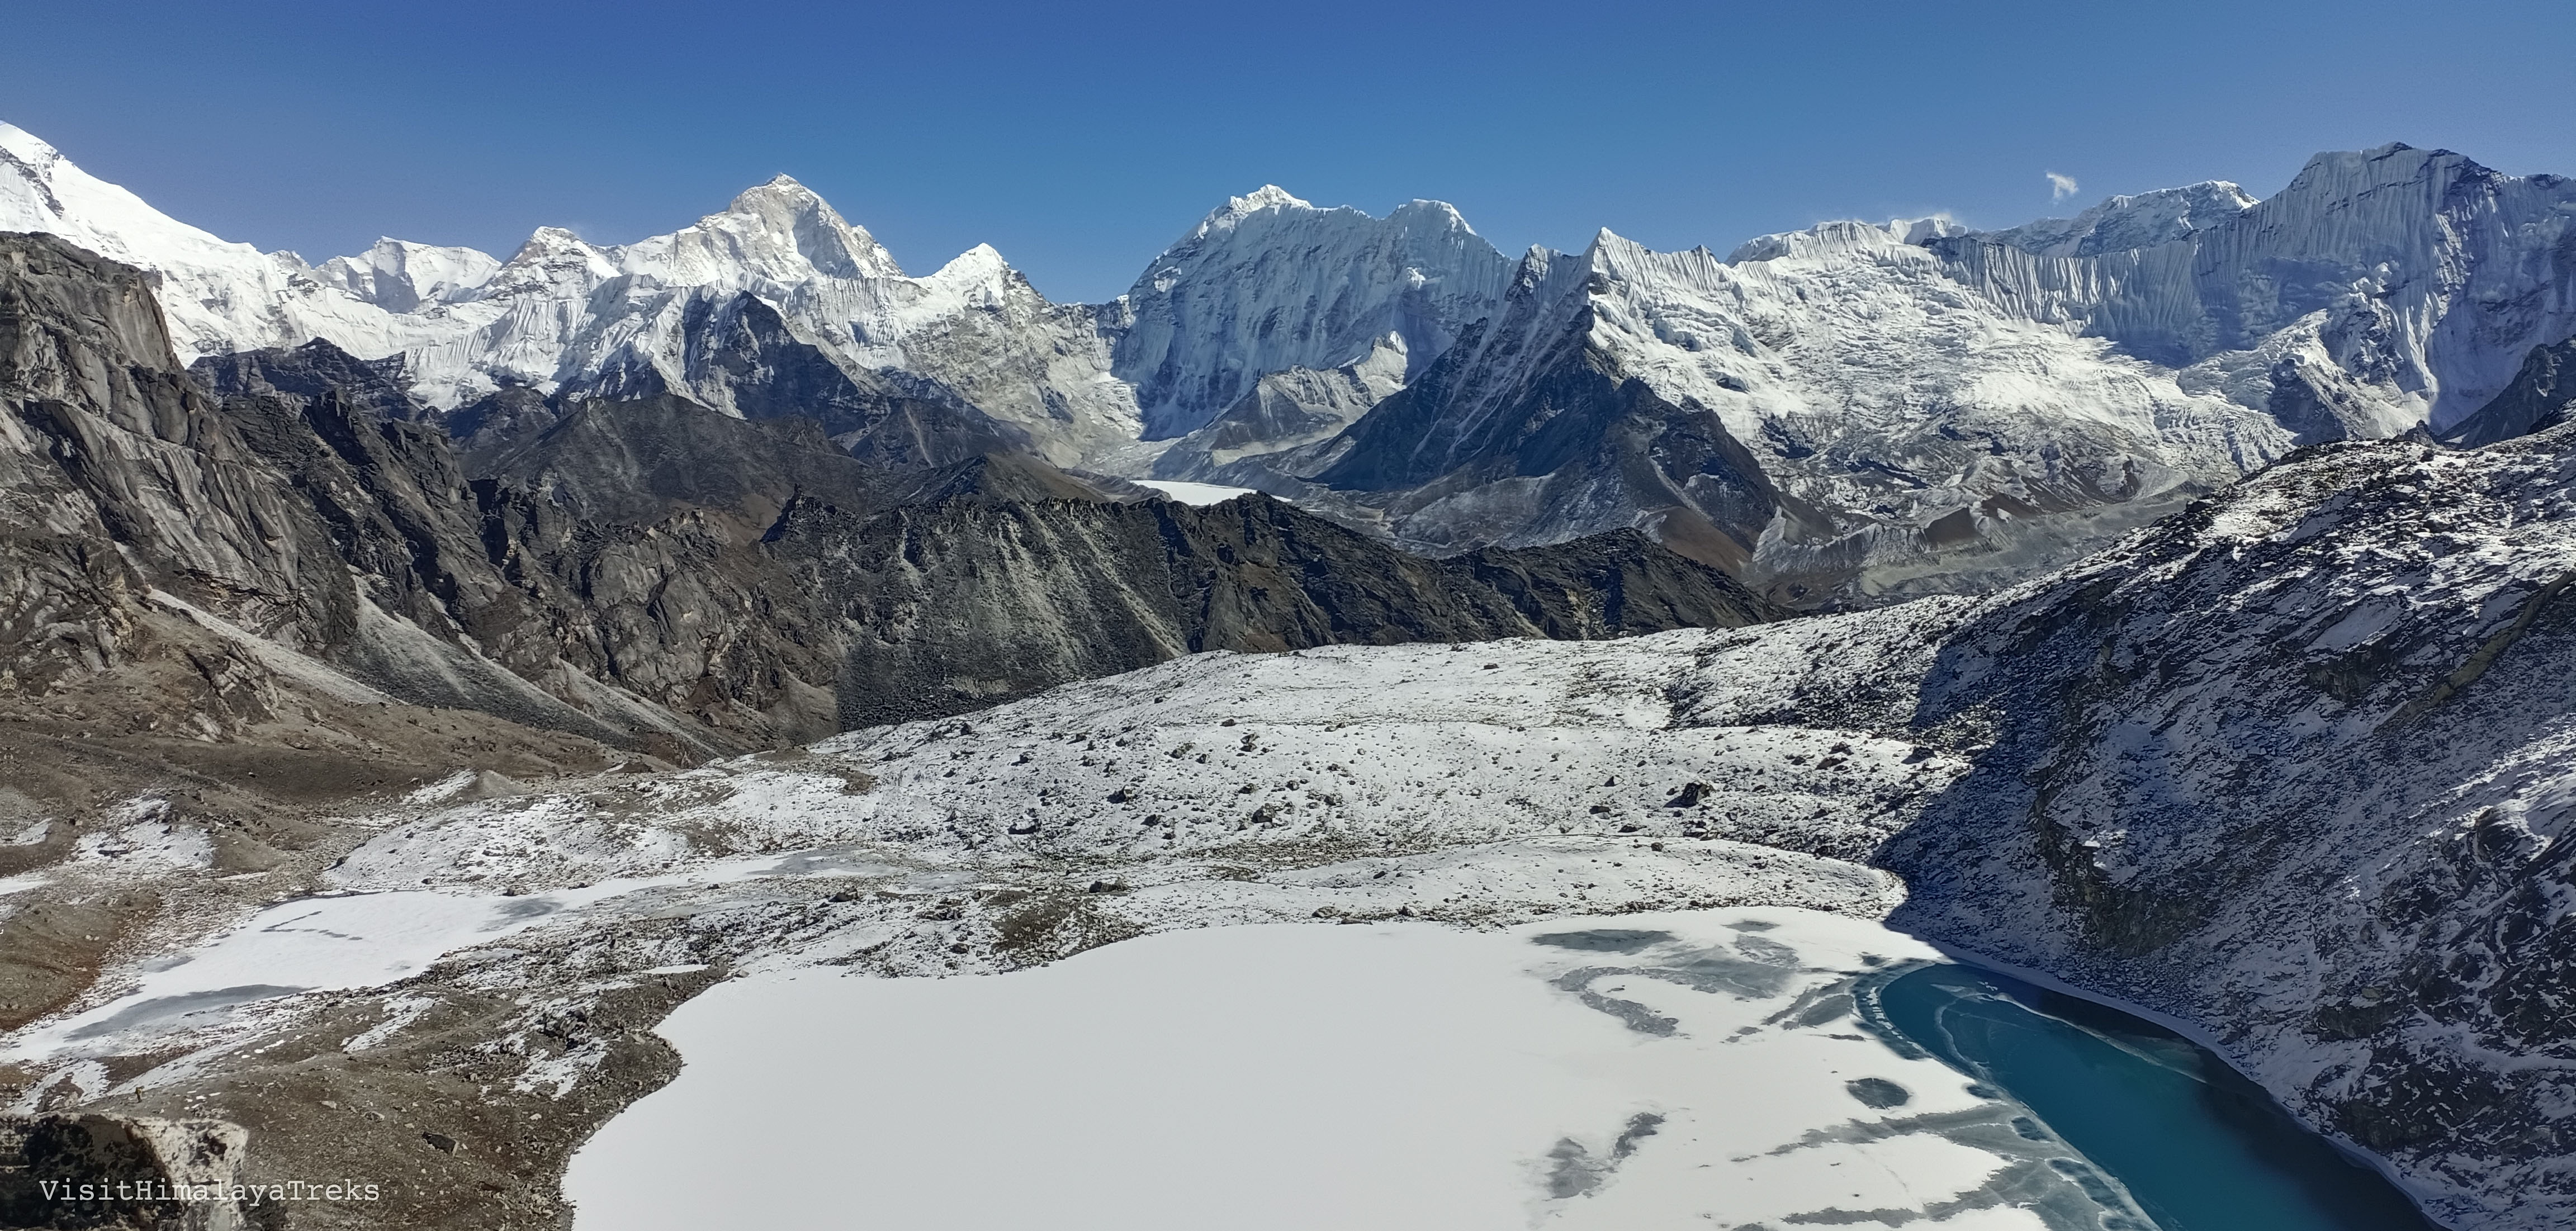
[{"x": 2200, "y": 1147}]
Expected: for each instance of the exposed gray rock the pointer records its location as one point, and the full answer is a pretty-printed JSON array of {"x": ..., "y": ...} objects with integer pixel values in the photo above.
[
  {"x": 970, "y": 602},
  {"x": 117, "y": 1172},
  {"x": 738, "y": 355},
  {"x": 310, "y": 372}
]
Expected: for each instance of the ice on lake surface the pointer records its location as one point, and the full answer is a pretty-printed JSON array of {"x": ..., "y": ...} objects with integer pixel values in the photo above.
[
  {"x": 1661, "y": 1070},
  {"x": 1194, "y": 493}
]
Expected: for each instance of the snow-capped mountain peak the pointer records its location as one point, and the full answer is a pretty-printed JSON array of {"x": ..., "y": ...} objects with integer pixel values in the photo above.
[
  {"x": 553, "y": 261},
  {"x": 2382, "y": 288},
  {"x": 40, "y": 190},
  {"x": 1236, "y": 209},
  {"x": 1430, "y": 215},
  {"x": 977, "y": 277},
  {"x": 2121, "y": 224},
  {"x": 1226, "y": 304},
  {"x": 779, "y": 232},
  {"x": 562, "y": 310},
  {"x": 778, "y": 191},
  {"x": 1842, "y": 236},
  {"x": 217, "y": 296},
  {"x": 399, "y": 275}
]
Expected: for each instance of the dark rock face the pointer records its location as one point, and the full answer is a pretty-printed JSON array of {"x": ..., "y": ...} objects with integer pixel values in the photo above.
[
  {"x": 1553, "y": 449},
  {"x": 107, "y": 445},
  {"x": 739, "y": 355},
  {"x": 508, "y": 414},
  {"x": 967, "y": 603},
  {"x": 2542, "y": 395},
  {"x": 104, "y": 1172},
  {"x": 639, "y": 461},
  {"x": 310, "y": 372},
  {"x": 306, "y": 520},
  {"x": 1612, "y": 585},
  {"x": 1524, "y": 432}
]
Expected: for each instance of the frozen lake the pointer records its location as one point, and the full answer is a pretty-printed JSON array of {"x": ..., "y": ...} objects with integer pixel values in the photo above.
[
  {"x": 1194, "y": 493},
  {"x": 1668, "y": 1070}
]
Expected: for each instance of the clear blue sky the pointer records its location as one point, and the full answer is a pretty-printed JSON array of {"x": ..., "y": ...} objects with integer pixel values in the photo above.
[{"x": 1080, "y": 138}]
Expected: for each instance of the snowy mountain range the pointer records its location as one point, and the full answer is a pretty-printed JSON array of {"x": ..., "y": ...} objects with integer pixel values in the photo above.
[{"x": 1846, "y": 411}]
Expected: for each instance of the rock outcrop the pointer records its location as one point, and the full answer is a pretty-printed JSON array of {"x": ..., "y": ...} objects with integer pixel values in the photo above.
[
  {"x": 970, "y": 602},
  {"x": 103, "y": 1172},
  {"x": 2542, "y": 395}
]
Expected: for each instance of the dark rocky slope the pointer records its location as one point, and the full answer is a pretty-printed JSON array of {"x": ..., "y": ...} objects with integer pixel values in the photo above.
[
  {"x": 738, "y": 354},
  {"x": 309, "y": 373},
  {"x": 2542, "y": 395},
  {"x": 965, "y": 603},
  {"x": 1527, "y": 432}
]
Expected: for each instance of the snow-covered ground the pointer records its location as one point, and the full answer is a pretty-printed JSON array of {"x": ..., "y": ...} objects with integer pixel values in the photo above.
[
  {"x": 1194, "y": 493},
  {"x": 332, "y": 943},
  {"x": 1659, "y": 1070}
]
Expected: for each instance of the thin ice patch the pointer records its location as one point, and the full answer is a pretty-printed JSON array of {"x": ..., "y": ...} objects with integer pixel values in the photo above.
[
  {"x": 1604, "y": 940},
  {"x": 1576, "y": 1171}
]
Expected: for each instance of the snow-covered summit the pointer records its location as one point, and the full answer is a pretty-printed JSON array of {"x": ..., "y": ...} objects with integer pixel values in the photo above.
[
  {"x": 1236, "y": 209},
  {"x": 1269, "y": 282},
  {"x": 2381, "y": 289},
  {"x": 218, "y": 296},
  {"x": 1877, "y": 394},
  {"x": 779, "y": 232},
  {"x": 399, "y": 275},
  {"x": 554, "y": 262},
  {"x": 563, "y": 310},
  {"x": 2121, "y": 224},
  {"x": 40, "y": 190}
]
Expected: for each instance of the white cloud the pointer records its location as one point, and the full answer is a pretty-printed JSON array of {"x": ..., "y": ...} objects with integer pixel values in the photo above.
[{"x": 2060, "y": 187}]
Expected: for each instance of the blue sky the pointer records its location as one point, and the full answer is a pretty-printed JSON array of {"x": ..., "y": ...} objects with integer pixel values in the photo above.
[{"x": 1081, "y": 138}]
